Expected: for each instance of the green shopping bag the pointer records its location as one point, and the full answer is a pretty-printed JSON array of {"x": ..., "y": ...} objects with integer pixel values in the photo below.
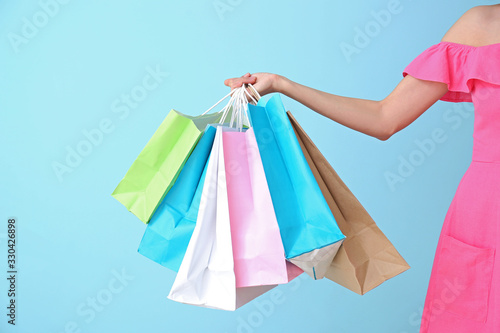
[{"x": 156, "y": 168}]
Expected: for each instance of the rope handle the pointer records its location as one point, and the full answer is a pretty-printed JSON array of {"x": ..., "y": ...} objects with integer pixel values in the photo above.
[{"x": 239, "y": 104}]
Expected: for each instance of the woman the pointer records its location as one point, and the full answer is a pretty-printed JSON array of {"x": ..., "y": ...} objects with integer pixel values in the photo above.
[{"x": 463, "y": 293}]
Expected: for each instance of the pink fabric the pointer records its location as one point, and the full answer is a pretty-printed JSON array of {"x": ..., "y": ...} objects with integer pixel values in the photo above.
[{"x": 463, "y": 293}]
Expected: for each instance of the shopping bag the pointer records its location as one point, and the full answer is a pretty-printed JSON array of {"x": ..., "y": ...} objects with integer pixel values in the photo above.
[
  {"x": 366, "y": 258},
  {"x": 206, "y": 276},
  {"x": 168, "y": 232},
  {"x": 156, "y": 168},
  {"x": 258, "y": 253},
  {"x": 310, "y": 235}
]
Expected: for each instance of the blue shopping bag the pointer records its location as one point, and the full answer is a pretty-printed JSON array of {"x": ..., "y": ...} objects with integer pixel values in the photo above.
[
  {"x": 168, "y": 232},
  {"x": 310, "y": 234}
]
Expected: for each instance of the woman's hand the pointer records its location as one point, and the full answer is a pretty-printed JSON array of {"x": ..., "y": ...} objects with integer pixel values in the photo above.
[
  {"x": 379, "y": 119},
  {"x": 264, "y": 83}
]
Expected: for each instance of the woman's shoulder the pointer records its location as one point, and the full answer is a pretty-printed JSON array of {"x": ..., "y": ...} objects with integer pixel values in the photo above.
[
  {"x": 461, "y": 57},
  {"x": 478, "y": 26}
]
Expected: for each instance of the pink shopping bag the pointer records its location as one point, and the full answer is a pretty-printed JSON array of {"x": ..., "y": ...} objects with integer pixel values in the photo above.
[
  {"x": 259, "y": 256},
  {"x": 206, "y": 276}
]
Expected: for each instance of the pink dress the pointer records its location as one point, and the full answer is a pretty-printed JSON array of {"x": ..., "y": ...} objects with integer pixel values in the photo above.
[{"x": 463, "y": 293}]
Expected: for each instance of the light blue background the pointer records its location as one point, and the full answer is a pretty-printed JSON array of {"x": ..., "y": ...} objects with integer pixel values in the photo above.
[{"x": 73, "y": 237}]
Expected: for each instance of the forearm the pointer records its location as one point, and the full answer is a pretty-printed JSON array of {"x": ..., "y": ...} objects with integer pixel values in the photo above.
[
  {"x": 362, "y": 115},
  {"x": 380, "y": 119}
]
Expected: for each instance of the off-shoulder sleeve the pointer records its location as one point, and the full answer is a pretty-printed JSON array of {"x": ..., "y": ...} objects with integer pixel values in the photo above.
[{"x": 448, "y": 63}]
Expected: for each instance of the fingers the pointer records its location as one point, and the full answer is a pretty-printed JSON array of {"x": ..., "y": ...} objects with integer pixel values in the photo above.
[
  {"x": 238, "y": 82},
  {"x": 249, "y": 79},
  {"x": 229, "y": 82}
]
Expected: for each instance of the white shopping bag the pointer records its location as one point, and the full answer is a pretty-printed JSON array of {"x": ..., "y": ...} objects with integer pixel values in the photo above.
[{"x": 206, "y": 276}]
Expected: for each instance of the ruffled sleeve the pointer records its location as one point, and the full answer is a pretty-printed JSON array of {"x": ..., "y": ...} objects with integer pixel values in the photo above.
[{"x": 448, "y": 63}]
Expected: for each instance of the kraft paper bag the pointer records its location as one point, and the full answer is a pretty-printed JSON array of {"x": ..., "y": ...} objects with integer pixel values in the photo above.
[
  {"x": 167, "y": 234},
  {"x": 259, "y": 256},
  {"x": 156, "y": 168},
  {"x": 366, "y": 258},
  {"x": 310, "y": 234},
  {"x": 206, "y": 276}
]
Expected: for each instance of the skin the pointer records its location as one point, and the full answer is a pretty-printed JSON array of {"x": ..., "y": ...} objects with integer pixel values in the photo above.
[{"x": 477, "y": 27}]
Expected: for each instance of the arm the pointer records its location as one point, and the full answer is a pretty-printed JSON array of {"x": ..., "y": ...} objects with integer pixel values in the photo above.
[{"x": 380, "y": 119}]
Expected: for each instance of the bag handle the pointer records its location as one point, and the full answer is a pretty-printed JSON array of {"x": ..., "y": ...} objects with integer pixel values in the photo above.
[
  {"x": 255, "y": 92},
  {"x": 240, "y": 113},
  {"x": 239, "y": 104}
]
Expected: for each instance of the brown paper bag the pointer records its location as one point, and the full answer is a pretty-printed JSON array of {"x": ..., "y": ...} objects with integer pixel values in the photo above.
[{"x": 366, "y": 258}]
